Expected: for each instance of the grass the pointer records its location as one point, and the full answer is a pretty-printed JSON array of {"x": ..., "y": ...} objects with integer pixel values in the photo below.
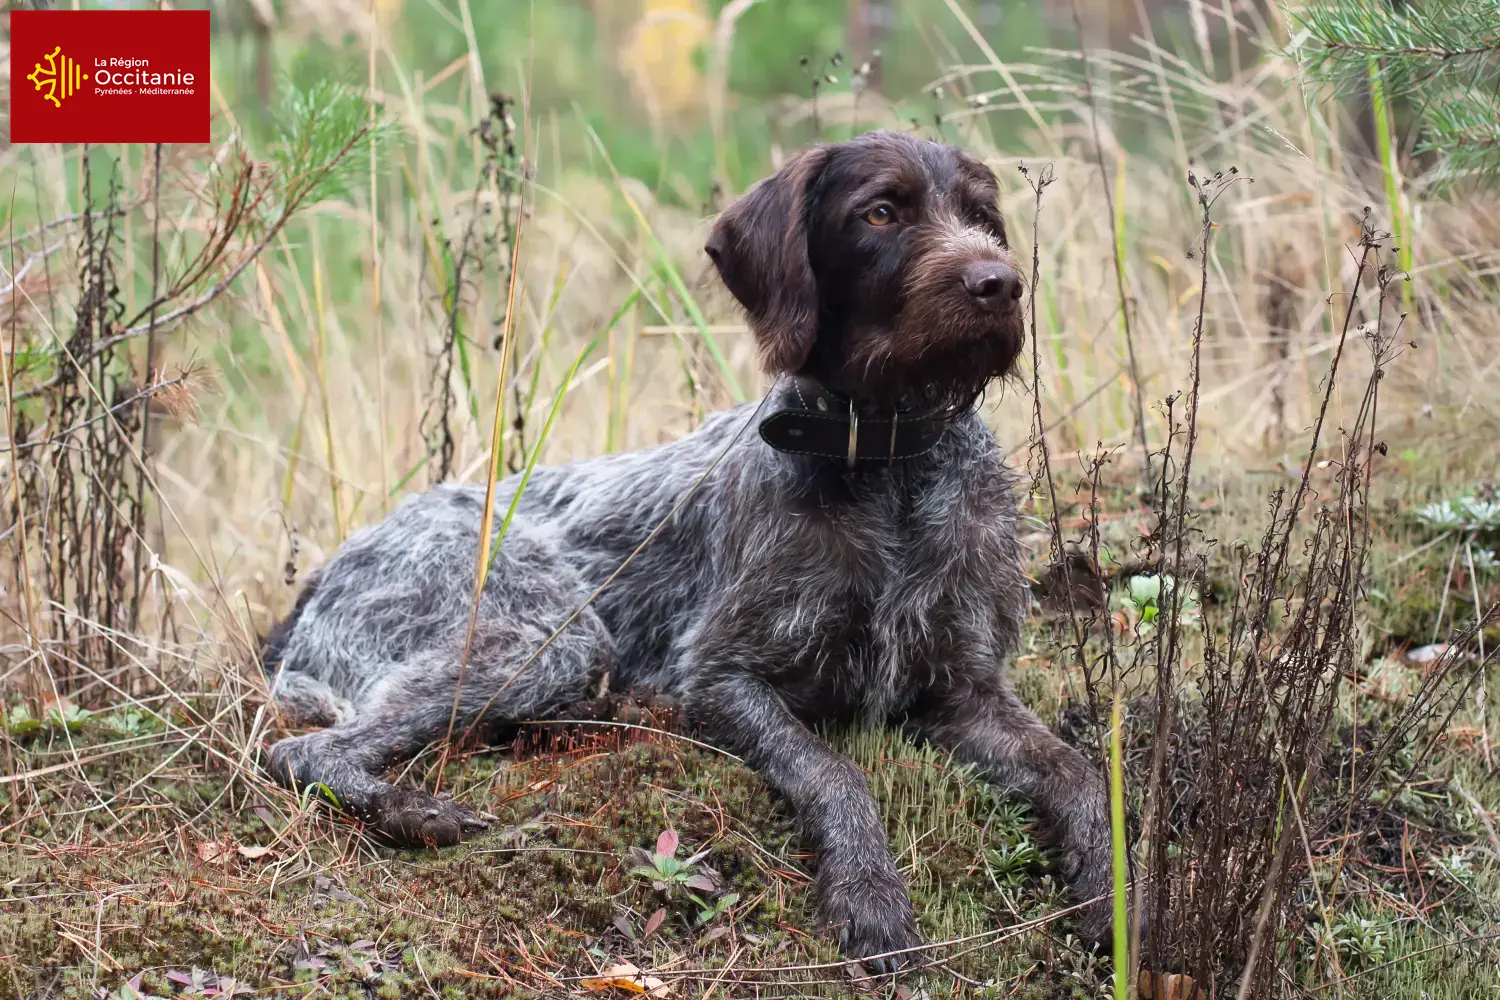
[
  {"x": 249, "y": 883},
  {"x": 302, "y": 400},
  {"x": 152, "y": 848}
]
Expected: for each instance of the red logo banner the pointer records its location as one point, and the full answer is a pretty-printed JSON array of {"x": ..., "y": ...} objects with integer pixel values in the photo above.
[{"x": 109, "y": 76}]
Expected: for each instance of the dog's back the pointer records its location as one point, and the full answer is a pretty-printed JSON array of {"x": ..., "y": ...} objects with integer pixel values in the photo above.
[{"x": 864, "y": 576}]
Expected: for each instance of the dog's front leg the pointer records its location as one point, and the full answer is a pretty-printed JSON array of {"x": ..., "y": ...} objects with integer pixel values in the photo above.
[
  {"x": 984, "y": 723},
  {"x": 862, "y": 896}
]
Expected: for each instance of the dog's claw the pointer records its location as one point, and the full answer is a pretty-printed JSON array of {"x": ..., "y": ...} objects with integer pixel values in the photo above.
[
  {"x": 417, "y": 819},
  {"x": 874, "y": 918},
  {"x": 888, "y": 966}
]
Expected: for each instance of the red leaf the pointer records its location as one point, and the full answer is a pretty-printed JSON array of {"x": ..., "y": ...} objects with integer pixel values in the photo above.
[
  {"x": 653, "y": 922},
  {"x": 666, "y": 844}
]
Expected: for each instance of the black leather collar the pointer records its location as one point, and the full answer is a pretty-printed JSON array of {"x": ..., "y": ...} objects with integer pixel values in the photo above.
[{"x": 814, "y": 420}]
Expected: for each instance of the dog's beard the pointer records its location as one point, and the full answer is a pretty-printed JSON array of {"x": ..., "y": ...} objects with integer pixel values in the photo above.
[{"x": 932, "y": 364}]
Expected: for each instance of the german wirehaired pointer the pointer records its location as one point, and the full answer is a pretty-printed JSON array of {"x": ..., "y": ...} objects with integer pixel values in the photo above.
[{"x": 854, "y": 556}]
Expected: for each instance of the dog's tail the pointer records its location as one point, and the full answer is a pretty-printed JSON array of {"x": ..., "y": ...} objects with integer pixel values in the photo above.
[{"x": 273, "y": 649}]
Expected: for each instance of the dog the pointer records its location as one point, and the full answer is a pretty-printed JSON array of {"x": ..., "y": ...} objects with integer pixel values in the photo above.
[{"x": 853, "y": 556}]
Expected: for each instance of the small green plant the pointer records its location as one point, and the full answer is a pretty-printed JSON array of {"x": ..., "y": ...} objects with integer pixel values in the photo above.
[
  {"x": 321, "y": 790},
  {"x": 59, "y": 715},
  {"x": 1146, "y": 599},
  {"x": 1465, "y": 513},
  {"x": 1014, "y": 862},
  {"x": 20, "y": 722},
  {"x": 1458, "y": 866},
  {"x": 668, "y": 873},
  {"x": 131, "y": 990},
  {"x": 708, "y": 912},
  {"x": 677, "y": 877},
  {"x": 66, "y": 715},
  {"x": 1357, "y": 941},
  {"x": 126, "y": 721},
  {"x": 1474, "y": 519}
]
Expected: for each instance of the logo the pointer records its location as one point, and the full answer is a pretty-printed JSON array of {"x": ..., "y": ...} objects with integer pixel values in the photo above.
[
  {"x": 63, "y": 76},
  {"x": 109, "y": 76}
]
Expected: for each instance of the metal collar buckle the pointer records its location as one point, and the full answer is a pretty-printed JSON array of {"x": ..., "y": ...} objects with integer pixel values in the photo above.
[{"x": 853, "y": 435}]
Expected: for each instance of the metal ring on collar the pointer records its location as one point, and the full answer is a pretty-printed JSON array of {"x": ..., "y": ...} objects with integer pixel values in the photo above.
[{"x": 853, "y": 434}]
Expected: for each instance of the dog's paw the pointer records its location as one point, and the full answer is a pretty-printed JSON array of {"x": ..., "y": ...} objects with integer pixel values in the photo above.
[
  {"x": 872, "y": 917},
  {"x": 1088, "y": 867},
  {"x": 410, "y": 818},
  {"x": 1095, "y": 922}
]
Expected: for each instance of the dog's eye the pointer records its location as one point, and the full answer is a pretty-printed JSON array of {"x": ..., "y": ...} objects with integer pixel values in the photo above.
[{"x": 880, "y": 215}]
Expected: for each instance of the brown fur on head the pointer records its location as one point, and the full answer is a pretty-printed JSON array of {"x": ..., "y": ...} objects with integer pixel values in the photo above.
[{"x": 880, "y": 267}]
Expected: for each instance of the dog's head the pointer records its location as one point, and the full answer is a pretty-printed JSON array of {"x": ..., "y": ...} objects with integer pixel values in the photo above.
[{"x": 878, "y": 266}]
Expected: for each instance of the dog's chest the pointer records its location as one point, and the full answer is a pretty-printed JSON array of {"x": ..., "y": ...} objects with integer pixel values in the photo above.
[{"x": 902, "y": 592}]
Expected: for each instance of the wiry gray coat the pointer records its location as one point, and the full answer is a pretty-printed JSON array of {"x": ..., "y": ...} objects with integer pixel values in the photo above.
[{"x": 787, "y": 590}]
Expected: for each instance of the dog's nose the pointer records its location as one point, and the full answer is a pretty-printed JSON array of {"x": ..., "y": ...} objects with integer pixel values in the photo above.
[{"x": 992, "y": 284}]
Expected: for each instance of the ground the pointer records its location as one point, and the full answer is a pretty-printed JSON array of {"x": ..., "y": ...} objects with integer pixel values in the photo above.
[{"x": 152, "y": 857}]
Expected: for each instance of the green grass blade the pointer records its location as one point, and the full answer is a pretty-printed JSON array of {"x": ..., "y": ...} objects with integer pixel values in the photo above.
[
  {"x": 674, "y": 278},
  {"x": 536, "y": 451},
  {"x": 1117, "y": 843},
  {"x": 1380, "y": 106}
]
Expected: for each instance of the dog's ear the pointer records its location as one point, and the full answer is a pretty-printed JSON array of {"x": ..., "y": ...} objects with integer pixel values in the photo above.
[{"x": 759, "y": 245}]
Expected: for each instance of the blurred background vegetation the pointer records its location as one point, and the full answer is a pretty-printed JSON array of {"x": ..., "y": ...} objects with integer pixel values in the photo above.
[
  {"x": 361, "y": 347},
  {"x": 419, "y": 220},
  {"x": 642, "y": 72}
]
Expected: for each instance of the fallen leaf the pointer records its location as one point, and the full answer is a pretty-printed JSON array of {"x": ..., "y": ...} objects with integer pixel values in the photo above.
[
  {"x": 1169, "y": 986},
  {"x": 215, "y": 852},
  {"x": 628, "y": 978},
  {"x": 702, "y": 882},
  {"x": 253, "y": 851},
  {"x": 360, "y": 965},
  {"x": 327, "y": 889},
  {"x": 713, "y": 935},
  {"x": 666, "y": 844},
  {"x": 623, "y": 926},
  {"x": 130, "y": 990},
  {"x": 654, "y": 921},
  {"x": 1425, "y": 656},
  {"x": 520, "y": 833}
]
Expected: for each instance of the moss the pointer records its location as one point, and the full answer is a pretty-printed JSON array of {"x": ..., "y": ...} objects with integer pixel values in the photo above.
[{"x": 548, "y": 887}]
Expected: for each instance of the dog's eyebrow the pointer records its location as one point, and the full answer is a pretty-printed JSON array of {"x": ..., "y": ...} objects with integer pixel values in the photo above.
[{"x": 892, "y": 185}]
